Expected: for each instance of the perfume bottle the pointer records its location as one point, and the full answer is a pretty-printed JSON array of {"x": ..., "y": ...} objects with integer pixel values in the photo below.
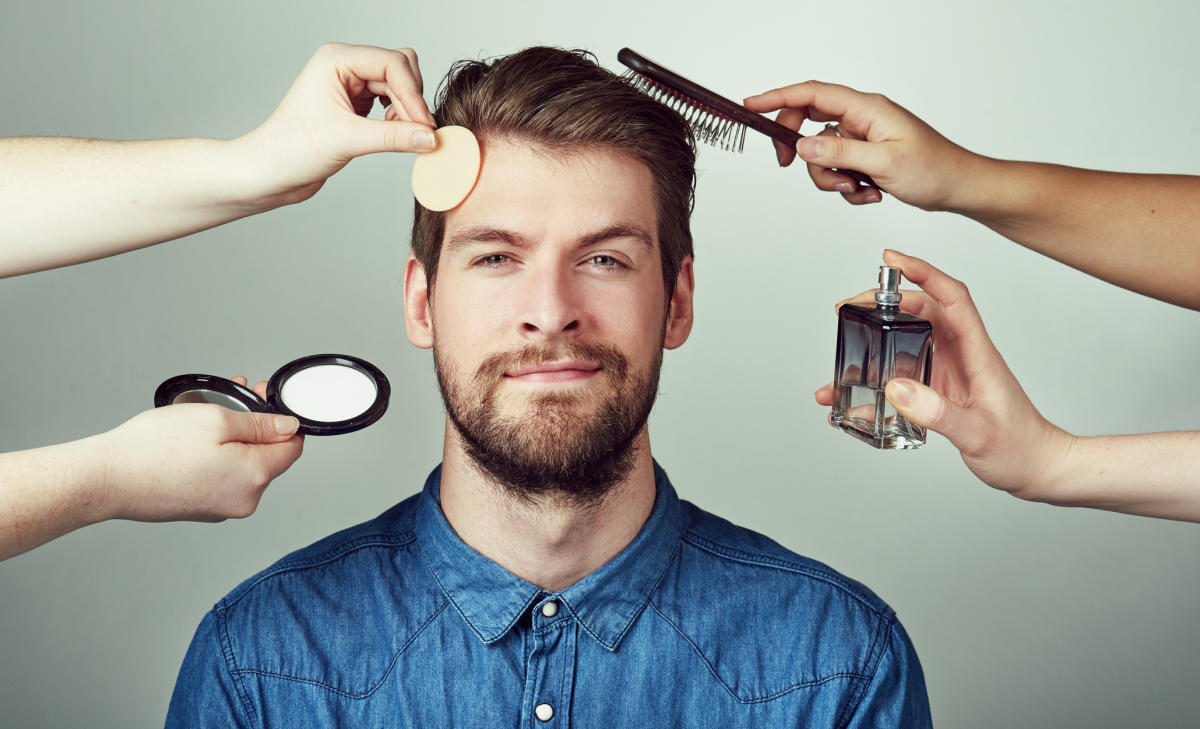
[{"x": 875, "y": 345}]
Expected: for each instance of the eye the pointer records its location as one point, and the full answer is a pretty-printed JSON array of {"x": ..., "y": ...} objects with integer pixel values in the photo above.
[
  {"x": 493, "y": 261},
  {"x": 603, "y": 261}
]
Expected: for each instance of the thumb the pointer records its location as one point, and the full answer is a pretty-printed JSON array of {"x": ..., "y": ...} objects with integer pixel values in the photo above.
[
  {"x": 926, "y": 407},
  {"x": 365, "y": 136},
  {"x": 827, "y": 150},
  {"x": 260, "y": 428}
]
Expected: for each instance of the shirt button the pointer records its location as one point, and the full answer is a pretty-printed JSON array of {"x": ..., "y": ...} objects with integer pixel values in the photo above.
[
  {"x": 544, "y": 712},
  {"x": 550, "y": 609}
]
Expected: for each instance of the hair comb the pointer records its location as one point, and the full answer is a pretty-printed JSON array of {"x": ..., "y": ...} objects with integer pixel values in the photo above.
[{"x": 714, "y": 119}]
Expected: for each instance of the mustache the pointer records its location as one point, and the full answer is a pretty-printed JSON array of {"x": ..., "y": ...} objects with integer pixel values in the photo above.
[{"x": 606, "y": 357}]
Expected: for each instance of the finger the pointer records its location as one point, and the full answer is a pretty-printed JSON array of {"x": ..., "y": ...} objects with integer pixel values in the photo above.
[
  {"x": 260, "y": 389},
  {"x": 950, "y": 294},
  {"x": 278, "y": 457},
  {"x": 365, "y": 136},
  {"x": 240, "y": 380},
  {"x": 832, "y": 151},
  {"x": 414, "y": 66},
  {"x": 924, "y": 406},
  {"x": 824, "y": 395},
  {"x": 792, "y": 119},
  {"x": 389, "y": 73},
  {"x": 258, "y": 427},
  {"x": 831, "y": 100},
  {"x": 862, "y": 196}
]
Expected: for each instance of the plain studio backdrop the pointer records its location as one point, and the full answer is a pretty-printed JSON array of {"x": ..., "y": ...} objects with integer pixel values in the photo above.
[{"x": 1023, "y": 614}]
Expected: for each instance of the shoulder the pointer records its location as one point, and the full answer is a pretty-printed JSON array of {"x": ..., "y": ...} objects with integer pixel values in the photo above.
[
  {"x": 765, "y": 618},
  {"x": 349, "y": 602}
]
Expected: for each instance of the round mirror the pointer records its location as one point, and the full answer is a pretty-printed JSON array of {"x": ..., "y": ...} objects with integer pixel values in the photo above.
[
  {"x": 211, "y": 390},
  {"x": 210, "y": 396},
  {"x": 330, "y": 393}
]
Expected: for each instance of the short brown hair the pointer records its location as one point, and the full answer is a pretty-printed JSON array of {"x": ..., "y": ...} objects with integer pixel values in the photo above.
[{"x": 562, "y": 100}]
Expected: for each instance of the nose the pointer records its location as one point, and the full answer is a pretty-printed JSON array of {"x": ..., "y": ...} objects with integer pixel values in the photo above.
[{"x": 552, "y": 304}]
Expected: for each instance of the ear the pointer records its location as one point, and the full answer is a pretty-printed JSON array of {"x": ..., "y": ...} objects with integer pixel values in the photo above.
[
  {"x": 679, "y": 311},
  {"x": 418, "y": 321}
]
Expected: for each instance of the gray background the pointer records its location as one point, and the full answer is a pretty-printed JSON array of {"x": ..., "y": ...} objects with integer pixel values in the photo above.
[{"x": 1023, "y": 614}]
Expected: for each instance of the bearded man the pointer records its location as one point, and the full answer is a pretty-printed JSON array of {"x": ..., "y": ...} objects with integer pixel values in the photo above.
[{"x": 548, "y": 575}]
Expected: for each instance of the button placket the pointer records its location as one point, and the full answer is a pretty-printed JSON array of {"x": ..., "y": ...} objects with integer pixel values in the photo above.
[{"x": 550, "y": 666}]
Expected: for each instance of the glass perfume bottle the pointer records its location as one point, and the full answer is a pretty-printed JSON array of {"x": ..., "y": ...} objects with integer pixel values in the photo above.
[{"x": 875, "y": 345}]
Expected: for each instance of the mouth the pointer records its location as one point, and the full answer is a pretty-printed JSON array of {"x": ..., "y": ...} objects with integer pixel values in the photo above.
[{"x": 569, "y": 371}]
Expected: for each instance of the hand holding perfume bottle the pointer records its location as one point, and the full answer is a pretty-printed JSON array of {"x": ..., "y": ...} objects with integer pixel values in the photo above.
[{"x": 974, "y": 400}]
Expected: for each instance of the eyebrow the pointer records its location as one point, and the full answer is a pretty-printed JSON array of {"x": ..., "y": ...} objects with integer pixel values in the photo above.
[{"x": 489, "y": 234}]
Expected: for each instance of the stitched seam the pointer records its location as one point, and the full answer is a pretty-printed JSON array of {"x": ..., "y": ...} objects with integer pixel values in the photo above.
[
  {"x": 342, "y": 692},
  {"x": 755, "y": 560},
  {"x": 761, "y": 699},
  {"x": 230, "y": 659},
  {"x": 342, "y": 550},
  {"x": 633, "y": 618},
  {"x": 861, "y": 691},
  {"x": 450, "y": 599}
]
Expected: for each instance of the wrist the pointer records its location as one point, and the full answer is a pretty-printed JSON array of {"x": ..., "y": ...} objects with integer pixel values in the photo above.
[
  {"x": 1054, "y": 467},
  {"x": 977, "y": 186}
]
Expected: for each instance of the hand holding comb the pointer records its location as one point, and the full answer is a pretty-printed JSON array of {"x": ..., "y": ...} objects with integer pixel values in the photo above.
[{"x": 714, "y": 119}]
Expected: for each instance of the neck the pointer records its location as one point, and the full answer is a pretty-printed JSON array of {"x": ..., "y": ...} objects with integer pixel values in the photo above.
[{"x": 549, "y": 542}]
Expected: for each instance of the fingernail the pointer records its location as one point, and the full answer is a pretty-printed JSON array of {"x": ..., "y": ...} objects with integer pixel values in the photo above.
[
  {"x": 873, "y": 196},
  {"x": 844, "y": 187},
  {"x": 424, "y": 140},
  {"x": 901, "y": 393},
  {"x": 286, "y": 425},
  {"x": 809, "y": 148}
]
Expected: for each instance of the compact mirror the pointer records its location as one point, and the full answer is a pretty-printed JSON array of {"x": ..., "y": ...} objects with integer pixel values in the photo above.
[{"x": 328, "y": 393}]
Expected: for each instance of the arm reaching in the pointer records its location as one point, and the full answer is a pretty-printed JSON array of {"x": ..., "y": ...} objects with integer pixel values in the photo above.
[
  {"x": 66, "y": 201},
  {"x": 1141, "y": 232},
  {"x": 977, "y": 403},
  {"x": 183, "y": 462}
]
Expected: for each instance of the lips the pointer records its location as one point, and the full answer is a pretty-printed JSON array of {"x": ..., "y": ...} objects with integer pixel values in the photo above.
[{"x": 554, "y": 371}]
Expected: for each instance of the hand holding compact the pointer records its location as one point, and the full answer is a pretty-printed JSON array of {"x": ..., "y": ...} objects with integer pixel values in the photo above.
[
  {"x": 905, "y": 156},
  {"x": 974, "y": 399},
  {"x": 194, "y": 462},
  {"x": 320, "y": 125}
]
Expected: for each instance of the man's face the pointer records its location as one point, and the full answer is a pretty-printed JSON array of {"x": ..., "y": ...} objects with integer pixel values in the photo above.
[{"x": 548, "y": 317}]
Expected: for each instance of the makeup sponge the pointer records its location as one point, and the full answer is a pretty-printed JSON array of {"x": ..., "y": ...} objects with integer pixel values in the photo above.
[{"x": 443, "y": 178}]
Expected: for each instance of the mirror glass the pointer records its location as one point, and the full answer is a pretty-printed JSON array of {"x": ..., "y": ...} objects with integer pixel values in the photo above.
[
  {"x": 211, "y": 396},
  {"x": 328, "y": 393}
]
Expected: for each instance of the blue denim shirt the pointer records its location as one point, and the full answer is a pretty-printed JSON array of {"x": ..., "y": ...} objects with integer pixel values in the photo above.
[{"x": 697, "y": 623}]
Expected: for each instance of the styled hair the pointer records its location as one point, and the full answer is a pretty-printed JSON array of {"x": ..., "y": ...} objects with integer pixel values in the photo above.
[{"x": 561, "y": 101}]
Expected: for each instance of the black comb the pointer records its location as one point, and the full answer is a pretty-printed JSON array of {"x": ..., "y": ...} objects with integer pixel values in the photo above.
[{"x": 714, "y": 119}]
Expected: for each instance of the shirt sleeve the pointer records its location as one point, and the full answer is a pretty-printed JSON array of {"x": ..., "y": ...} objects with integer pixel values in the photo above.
[
  {"x": 207, "y": 694},
  {"x": 896, "y": 697}
]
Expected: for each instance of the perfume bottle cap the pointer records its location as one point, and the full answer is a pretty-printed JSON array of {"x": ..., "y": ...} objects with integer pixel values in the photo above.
[{"x": 889, "y": 286}]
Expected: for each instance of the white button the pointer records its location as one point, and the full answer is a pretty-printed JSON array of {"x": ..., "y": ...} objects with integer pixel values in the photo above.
[
  {"x": 544, "y": 712},
  {"x": 550, "y": 609}
]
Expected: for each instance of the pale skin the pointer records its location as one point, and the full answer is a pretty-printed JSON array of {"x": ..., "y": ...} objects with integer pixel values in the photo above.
[
  {"x": 182, "y": 462},
  {"x": 528, "y": 267},
  {"x": 1141, "y": 232}
]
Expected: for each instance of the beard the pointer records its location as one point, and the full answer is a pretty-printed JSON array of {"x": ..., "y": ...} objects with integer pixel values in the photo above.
[{"x": 571, "y": 446}]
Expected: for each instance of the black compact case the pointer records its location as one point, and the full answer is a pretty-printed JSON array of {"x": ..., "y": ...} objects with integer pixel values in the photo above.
[{"x": 227, "y": 393}]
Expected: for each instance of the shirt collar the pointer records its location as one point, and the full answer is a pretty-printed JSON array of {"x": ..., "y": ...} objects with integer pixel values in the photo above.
[{"x": 491, "y": 599}]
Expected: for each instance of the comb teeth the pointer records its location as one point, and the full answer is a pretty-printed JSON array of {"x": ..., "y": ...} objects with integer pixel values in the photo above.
[{"x": 710, "y": 126}]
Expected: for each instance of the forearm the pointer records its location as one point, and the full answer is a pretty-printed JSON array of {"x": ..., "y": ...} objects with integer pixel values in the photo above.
[
  {"x": 66, "y": 201},
  {"x": 48, "y": 492},
  {"x": 1141, "y": 232},
  {"x": 1152, "y": 474}
]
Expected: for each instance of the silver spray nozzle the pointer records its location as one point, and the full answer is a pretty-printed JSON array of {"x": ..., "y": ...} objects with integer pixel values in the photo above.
[{"x": 889, "y": 286}]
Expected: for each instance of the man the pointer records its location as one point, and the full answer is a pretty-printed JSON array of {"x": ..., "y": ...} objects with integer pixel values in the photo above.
[{"x": 548, "y": 575}]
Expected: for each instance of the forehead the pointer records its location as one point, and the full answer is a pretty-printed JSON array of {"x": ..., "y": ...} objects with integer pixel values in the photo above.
[{"x": 546, "y": 194}]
